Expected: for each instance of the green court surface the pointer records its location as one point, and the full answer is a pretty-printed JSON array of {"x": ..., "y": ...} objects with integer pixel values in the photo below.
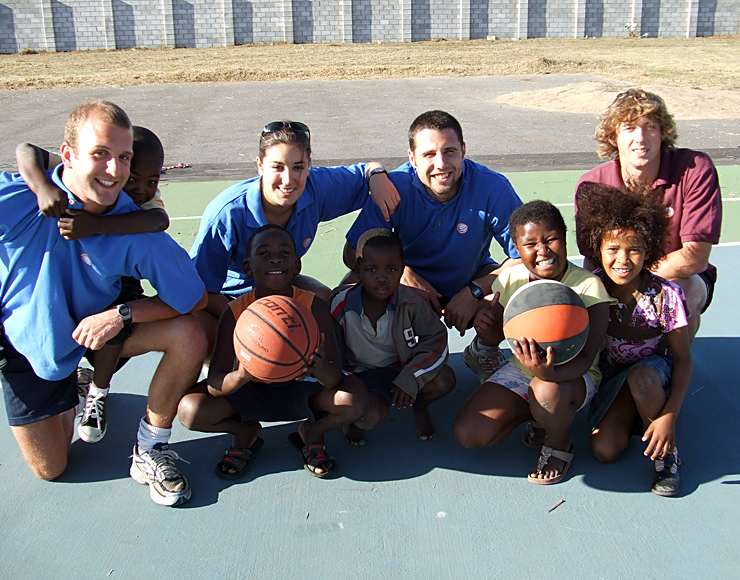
[{"x": 186, "y": 201}]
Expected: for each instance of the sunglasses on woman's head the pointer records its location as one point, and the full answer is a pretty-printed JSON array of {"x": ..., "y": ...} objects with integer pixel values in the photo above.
[{"x": 294, "y": 126}]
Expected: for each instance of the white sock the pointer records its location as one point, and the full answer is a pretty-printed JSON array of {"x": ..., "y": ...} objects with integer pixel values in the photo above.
[
  {"x": 478, "y": 346},
  {"x": 148, "y": 436},
  {"x": 97, "y": 391}
]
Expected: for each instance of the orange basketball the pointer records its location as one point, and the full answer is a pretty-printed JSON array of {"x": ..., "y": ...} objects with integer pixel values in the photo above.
[
  {"x": 552, "y": 314},
  {"x": 274, "y": 337}
]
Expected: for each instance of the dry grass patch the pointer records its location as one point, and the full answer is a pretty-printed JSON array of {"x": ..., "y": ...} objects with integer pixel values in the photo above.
[{"x": 697, "y": 63}]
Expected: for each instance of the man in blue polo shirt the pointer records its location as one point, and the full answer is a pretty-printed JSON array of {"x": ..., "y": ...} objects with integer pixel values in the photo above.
[
  {"x": 55, "y": 294},
  {"x": 451, "y": 208}
]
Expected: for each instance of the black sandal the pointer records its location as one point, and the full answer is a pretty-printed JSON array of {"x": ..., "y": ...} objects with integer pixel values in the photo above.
[
  {"x": 238, "y": 459},
  {"x": 314, "y": 456}
]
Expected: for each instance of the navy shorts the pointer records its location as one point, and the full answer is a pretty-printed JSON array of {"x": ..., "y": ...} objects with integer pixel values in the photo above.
[
  {"x": 613, "y": 377},
  {"x": 709, "y": 283},
  {"x": 270, "y": 402},
  {"x": 380, "y": 381},
  {"x": 29, "y": 398}
]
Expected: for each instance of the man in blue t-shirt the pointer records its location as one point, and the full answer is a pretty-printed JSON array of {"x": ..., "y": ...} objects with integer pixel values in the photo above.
[
  {"x": 451, "y": 209},
  {"x": 55, "y": 295}
]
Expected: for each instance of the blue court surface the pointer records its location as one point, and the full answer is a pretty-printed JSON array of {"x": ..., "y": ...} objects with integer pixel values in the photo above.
[{"x": 398, "y": 507}]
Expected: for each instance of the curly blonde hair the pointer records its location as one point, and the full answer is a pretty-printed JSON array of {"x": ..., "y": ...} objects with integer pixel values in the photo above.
[{"x": 628, "y": 106}]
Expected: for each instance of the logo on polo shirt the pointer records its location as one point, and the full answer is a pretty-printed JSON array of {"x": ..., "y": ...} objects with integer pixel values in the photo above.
[
  {"x": 669, "y": 211},
  {"x": 462, "y": 228},
  {"x": 86, "y": 259},
  {"x": 307, "y": 242}
]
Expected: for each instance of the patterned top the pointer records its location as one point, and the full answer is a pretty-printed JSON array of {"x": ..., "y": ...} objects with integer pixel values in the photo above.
[{"x": 638, "y": 329}]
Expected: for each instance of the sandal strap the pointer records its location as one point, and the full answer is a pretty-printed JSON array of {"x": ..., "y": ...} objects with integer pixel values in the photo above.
[
  {"x": 316, "y": 455},
  {"x": 547, "y": 452},
  {"x": 236, "y": 457}
]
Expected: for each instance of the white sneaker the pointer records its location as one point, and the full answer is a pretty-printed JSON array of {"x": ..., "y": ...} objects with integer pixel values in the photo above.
[
  {"x": 84, "y": 378},
  {"x": 93, "y": 423},
  {"x": 156, "y": 468},
  {"x": 483, "y": 360}
]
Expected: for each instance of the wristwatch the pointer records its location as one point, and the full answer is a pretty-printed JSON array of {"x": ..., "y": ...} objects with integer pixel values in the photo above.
[
  {"x": 477, "y": 292},
  {"x": 372, "y": 172},
  {"x": 124, "y": 311}
]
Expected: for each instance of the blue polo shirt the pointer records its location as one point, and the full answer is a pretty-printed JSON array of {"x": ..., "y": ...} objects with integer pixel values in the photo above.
[
  {"x": 230, "y": 219},
  {"x": 49, "y": 284},
  {"x": 447, "y": 243}
]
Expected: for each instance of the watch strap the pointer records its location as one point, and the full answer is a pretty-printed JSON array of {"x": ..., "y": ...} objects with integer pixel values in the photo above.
[{"x": 476, "y": 290}]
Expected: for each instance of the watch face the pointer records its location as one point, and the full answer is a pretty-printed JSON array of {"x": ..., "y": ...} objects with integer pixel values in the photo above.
[
  {"x": 124, "y": 311},
  {"x": 477, "y": 292}
]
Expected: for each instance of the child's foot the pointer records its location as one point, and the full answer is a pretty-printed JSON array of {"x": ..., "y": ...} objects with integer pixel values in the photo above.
[
  {"x": 552, "y": 466},
  {"x": 93, "y": 423},
  {"x": 425, "y": 428},
  {"x": 535, "y": 434},
  {"x": 666, "y": 481},
  {"x": 236, "y": 460},
  {"x": 354, "y": 435},
  {"x": 315, "y": 458}
]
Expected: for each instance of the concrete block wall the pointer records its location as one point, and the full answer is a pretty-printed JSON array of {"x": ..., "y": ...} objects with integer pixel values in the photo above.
[
  {"x": 608, "y": 19},
  {"x": 718, "y": 17},
  {"x": 501, "y": 20},
  {"x": 21, "y": 26},
  {"x": 318, "y": 21},
  {"x": 560, "y": 20},
  {"x": 62, "y": 25}
]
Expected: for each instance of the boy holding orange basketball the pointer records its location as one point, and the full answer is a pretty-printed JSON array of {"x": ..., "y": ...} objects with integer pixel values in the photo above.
[
  {"x": 530, "y": 387},
  {"x": 392, "y": 339},
  {"x": 232, "y": 401}
]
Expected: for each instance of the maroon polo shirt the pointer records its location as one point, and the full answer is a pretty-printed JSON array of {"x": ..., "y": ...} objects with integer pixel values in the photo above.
[{"x": 691, "y": 195}]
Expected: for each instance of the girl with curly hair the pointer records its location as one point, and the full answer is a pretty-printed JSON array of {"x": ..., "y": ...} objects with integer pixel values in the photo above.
[{"x": 647, "y": 363}]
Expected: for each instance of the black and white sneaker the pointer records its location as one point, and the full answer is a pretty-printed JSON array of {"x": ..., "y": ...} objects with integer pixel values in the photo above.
[
  {"x": 93, "y": 423},
  {"x": 156, "y": 468},
  {"x": 84, "y": 378},
  {"x": 667, "y": 481}
]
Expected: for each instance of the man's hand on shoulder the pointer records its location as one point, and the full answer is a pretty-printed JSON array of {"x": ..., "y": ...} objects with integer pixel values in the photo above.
[
  {"x": 383, "y": 192},
  {"x": 95, "y": 330},
  {"x": 76, "y": 224},
  {"x": 422, "y": 287}
]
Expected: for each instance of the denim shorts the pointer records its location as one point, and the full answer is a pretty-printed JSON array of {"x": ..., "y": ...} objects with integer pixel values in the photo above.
[
  {"x": 613, "y": 377},
  {"x": 510, "y": 377}
]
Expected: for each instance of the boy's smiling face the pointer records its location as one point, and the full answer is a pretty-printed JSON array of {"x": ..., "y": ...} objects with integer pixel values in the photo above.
[
  {"x": 542, "y": 248},
  {"x": 143, "y": 178},
  {"x": 272, "y": 262},
  {"x": 380, "y": 271}
]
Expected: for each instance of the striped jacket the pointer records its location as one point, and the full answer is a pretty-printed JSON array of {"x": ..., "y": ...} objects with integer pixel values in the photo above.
[{"x": 420, "y": 337}]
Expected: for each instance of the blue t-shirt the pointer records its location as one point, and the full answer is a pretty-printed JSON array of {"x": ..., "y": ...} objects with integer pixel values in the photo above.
[
  {"x": 230, "y": 219},
  {"x": 49, "y": 284},
  {"x": 447, "y": 243}
]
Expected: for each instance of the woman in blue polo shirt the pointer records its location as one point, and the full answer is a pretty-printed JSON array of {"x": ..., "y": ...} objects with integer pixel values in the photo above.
[{"x": 287, "y": 192}]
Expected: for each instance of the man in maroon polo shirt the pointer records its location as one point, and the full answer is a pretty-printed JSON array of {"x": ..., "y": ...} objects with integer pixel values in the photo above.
[{"x": 639, "y": 136}]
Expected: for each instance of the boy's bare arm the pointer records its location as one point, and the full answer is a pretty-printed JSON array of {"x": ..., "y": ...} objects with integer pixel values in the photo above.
[
  {"x": 33, "y": 163},
  {"x": 223, "y": 378},
  {"x": 79, "y": 224},
  {"x": 327, "y": 369}
]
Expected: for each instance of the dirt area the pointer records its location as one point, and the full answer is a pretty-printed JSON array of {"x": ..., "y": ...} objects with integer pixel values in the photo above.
[
  {"x": 695, "y": 75},
  {"x": 594, "y": 97}
]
